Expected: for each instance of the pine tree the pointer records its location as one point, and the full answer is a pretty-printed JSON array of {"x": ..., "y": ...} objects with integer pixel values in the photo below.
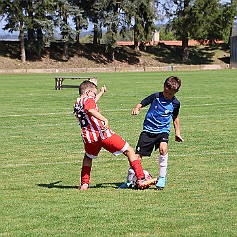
[
  {"x": 141, "y": 14},
  {"x": 14, "y": 13},
  {"x": 64, "y": 9},
  {"x": 199, "y": 19},
  {"x": 79, "y": 17}
]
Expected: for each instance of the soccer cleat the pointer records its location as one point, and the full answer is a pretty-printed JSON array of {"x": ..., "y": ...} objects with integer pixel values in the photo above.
[
  {"x": 161, "y": 183},
  {"x": 84, "y": 187},
  {"x": 146, "y": 183},
  {"x": 126, "y": 185}
]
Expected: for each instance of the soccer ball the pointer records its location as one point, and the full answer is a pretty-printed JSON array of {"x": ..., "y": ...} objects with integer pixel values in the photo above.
[{"x": 131, "y": 178}]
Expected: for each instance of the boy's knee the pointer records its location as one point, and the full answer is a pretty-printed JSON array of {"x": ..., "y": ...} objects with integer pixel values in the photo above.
[
  {"x": 163, "y": 149},
  {"x": 129, "y": 150},
  {"x": 163, "y": 152}
]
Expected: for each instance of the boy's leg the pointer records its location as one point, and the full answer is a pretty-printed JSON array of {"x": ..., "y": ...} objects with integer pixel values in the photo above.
[
  {"x": 91, "y": 152},
  {"x": 85, "y": 172},
  {"x": 135, "y": 163},
  {"x": 129, "y": 183},
  {"x": 116, "y": 145},
  {"x": 163, "y": 163}
]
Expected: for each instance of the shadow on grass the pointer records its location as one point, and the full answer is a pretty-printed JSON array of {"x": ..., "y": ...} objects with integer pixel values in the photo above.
[
  {"x": 173, "y": 54},
  {"x": 54, "y": 185},
  {"x": 169, "y": 54},
  {"x": 57, "y": 185},
  {"x": 200, "y": 54}
]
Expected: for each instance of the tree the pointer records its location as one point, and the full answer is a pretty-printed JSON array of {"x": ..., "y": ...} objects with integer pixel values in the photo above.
[
  {"x": 111, "y": 21},
  {"x": 40, "y": 25},
  {"x": 94, "y": 11},
  {"x": 63, "y": 11},
  {"x": 230, "y": 16},
  {"x": 43, "y": 24},
  {"x": 79, "y": 17},
  {"x": 141, "y": 15},
  {"x": 198, "y": 19},
  {"x": 14, "y": 13},
  {"x": 181, "y": 23},
  {"x": 30, "y": 19},
  {"x": 215, "y": 20}
]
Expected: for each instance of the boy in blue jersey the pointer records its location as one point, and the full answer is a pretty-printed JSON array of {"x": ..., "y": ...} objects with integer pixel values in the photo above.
[{"x": 164, "y": 107}]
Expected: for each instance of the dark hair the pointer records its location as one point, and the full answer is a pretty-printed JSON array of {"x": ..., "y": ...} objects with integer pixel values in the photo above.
[
  {"x": 173, "y": 83},
  {"x": 86, "y": 85}
]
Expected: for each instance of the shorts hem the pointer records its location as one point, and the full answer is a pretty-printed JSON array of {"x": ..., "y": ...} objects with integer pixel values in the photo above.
[
  {"x": 125, "y": 147},
  {"x": 91, "y": 156}
]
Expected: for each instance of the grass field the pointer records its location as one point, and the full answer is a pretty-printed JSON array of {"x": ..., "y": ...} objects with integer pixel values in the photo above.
[{"x": 41, "y": 153}]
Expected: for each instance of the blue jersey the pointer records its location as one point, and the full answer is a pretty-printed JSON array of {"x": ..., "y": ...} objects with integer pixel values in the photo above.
[{"x": 160, "y": 113}]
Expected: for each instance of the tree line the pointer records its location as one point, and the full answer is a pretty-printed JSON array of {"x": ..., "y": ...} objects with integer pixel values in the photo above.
[{"x": 188, "y": 19}]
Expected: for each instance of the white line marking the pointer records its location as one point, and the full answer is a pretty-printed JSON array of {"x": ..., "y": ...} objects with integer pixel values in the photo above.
[
  {"x": 106, "y": 110},
  {"x": 32, "y": 115}
]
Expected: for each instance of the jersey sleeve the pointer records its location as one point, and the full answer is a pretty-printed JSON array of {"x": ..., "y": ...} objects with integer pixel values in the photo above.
[
  {"x": 148, "y": 100},
  {"x": 89, "y": 104},
  {"x": 176, "y": 105}
]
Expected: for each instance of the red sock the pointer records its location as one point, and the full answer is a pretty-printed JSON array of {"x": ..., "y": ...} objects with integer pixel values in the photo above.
[
  {"x": 85, "y": 174},
  {"x": 137, "y": 167}
]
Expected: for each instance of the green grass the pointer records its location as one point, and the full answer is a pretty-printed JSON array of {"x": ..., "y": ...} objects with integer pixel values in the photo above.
[{"x": 41, "y": 153}]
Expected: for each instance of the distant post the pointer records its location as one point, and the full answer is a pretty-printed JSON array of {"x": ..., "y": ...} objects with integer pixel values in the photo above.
[
  {"x": 156, "y": 38},
  {"x": 233, "y": 52}
]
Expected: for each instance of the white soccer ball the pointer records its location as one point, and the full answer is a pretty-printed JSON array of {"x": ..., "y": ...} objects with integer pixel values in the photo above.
[{"x": 132, "y": 177}]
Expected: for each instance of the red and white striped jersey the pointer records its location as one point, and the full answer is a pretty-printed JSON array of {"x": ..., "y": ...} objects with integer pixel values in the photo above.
[{"x": 91, "y": 127}]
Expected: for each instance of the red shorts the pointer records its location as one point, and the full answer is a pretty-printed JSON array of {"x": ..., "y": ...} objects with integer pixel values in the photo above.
[{"x": 114, "y": 144}]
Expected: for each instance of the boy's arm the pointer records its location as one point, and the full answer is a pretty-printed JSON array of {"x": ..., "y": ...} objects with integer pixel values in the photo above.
[
  {"x": 148, "y": 100},
  {"x": 137, "y": 109},
  {"x": 99, "y": 116},
  {"x": 102, "y": 91},
  {"x": 176, "y": 123}
]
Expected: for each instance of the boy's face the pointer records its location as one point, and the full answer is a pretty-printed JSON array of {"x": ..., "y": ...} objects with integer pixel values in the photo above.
[
  {"x": 92, "y": 92},
  {"x": 168, "y": 93}
]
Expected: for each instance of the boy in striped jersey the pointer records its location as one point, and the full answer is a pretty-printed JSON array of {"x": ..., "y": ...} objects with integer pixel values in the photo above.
[{"x": 97, "y": 134}]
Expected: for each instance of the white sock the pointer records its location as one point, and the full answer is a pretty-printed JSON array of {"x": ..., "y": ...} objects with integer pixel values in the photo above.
[
  {"x": 163, "y": 162},
  {"x": 131, "y": 175}
]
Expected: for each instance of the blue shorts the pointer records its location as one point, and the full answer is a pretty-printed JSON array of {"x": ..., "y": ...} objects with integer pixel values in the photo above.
[{"x": 147, "y": 141}]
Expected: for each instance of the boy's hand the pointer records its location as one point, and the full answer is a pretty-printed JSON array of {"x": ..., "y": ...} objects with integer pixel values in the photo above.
[
  {"x": 106, "y": 125},
  {"x": 137, "y": 109},
  {"x": 103, "y": 89},
  {"x": 178, "y": 138}
]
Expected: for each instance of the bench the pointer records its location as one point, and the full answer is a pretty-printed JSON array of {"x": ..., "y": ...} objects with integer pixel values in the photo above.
[{"x": 60, "y": 79}]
